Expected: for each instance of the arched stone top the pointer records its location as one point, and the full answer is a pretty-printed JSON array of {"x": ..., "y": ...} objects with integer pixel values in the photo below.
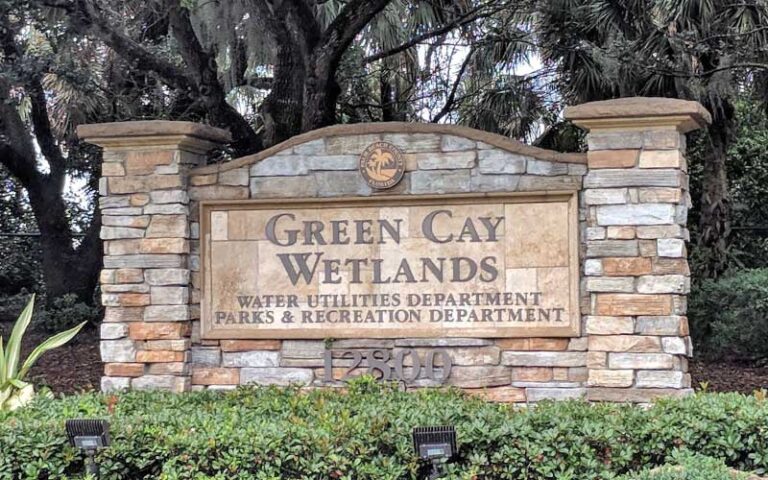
[{"x": 398, "y": 128}]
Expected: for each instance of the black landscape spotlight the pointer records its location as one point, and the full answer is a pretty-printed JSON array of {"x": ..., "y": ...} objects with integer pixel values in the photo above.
[
  {"x": 89, "y": 436},
  {"x": 436, "y": 445}
]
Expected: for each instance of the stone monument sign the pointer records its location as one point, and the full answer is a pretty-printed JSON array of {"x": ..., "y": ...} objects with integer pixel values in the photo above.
[{"x": 431, "y": 254}]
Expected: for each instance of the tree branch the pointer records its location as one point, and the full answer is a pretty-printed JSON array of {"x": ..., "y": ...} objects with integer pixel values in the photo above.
[
  {"x": 449, "y": 102},
  {"x": 469, "y": 17},
  {"x": 350, "y": 21}
]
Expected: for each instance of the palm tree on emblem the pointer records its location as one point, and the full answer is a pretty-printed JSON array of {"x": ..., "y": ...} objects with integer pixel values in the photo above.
[{"x": 379, "y": 160}]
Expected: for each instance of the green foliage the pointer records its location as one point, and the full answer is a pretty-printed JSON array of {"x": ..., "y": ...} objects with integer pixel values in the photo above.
[
  {"x": 65, "y": 312},
  {"x": 14, "y": 391},
  {"x": 270, "y": 433},
  {"x": 689, "y": 466},
  {"x": 729, "y": 315},
  {"x": 747, "y": 189}
]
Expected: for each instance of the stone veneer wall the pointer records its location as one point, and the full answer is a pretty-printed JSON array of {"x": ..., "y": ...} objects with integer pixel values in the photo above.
[{"x": 633, "y": 206}]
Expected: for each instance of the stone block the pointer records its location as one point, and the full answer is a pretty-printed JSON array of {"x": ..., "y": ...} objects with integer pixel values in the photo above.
[
  {"x": 659, "y": 195},
  {"x": 117, "y": 351},
  {"x": 167, "y": 209},
  {"x": 445, "y": 160},
  {"x": 303, "y": 348},
  {"x": 595, "y": 233},
  {"x": 170, "y": 295},
  {"x": 116, "y": 202},
  {"x": 115, "y": 384},
  {"x": 280, "y": 166},
  {"x": 577, "y": 344},
  {"x": 621, "y": 304},
  {"x": 636, "y": 214},
  {"x": 440, "y": 181},
  {"x": 218, "y": 192},
  {"x": 265, "y": 187},
  {"x": 493, "y": 162},
  {"x": 540, "y": 167},
  {"x": 124, "y": 299},
  {"x": 675, "y": 345},
  {"x": 661, "y": 159},
  {"x": 670, "y": 247},
  {"x": 177, "y": 345},
  {"x": 610, "y": 284},
  {"x": 198, "y": 180},
  {"x": 548, "y": 344},
  {"x": 532, "y": 183},
  {"x": 626, "y": 266},
  {"x": 666, "y": 325},
  {"x": 612, "y": 158},
  {"x": 169, "y": 196},
  {"x": 414, "y": 142},
  {"x": 171, "y": 383},
  {"x": 276, "y": 376},
  {"x": 605, "y": 196},
  {"x": 167, "y": 276},
  {"x": 110, "y": 233},
  {"x": 633, "y": 177},
  {"x": 246, "y": 345},
  {"x": 128, "y": 288},
  {"x": 593, "y": 267},
  {"x": 130, "y": 211},
  {"x": 660, "y": 379},
  {"x": 209, "y": 356},
  {"x": 663, "y": 284},
  {"x": 452, "y": 143},
  {"x": 479, "y": 376},
  {"x": 624, "y": 343},
  {"x": 215, "y": 376},
  {"x": 144, "y": 261},
  {"x": 660, "y": 139},
  {"x": 129, "y": 275},
  {"x": 620, "y": 140},
  {"x": 610, "y": 378},
  {"x": 433, "y": 342},
  {"x": 124, "y": 369},
  {"x": 236, "y": 176},
  {"x": 639, "y": 361},
  {"x": 313, "y": 147},
  {"x": 495, "y": 183},
  {"x": 499, "y": 394},
  {"x": 543, "y": 359},
  {"x": 539, "y": 394},
  {"x": 168, "y": 368},
  {"x": 254, "y": 358},
  {"x": 532, "y": 374},
  {"x": 620, "y": 233},
  {"x": 330, "y": 184},
  {"x": 158, "y": 330},
  {"x": 166, "y": 313},
  {"x": 349, "y": 145},
  {"x": 123, "y": 314},
  {"x": 159, "y": 356},
  {"x": 671, "y": 266},
  {"x": 596, "y": 325},
  {"x": 168, "y": 226},
  {"x": 612, "y": 248},
  {"x": 131, "y": 221},
  {"x": 113, "y": 331}
]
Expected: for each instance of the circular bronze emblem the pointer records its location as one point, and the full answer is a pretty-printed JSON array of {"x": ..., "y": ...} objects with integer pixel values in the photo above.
[{"x": 382, "y": 165}]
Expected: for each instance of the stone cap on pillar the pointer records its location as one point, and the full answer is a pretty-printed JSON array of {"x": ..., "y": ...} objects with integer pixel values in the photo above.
[
  {"x": 639, "y": 113},
  {"x": 156, "y": 134}
]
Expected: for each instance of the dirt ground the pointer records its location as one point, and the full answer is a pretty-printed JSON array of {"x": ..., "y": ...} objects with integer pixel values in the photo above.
[{"x": 76, "y": 367}]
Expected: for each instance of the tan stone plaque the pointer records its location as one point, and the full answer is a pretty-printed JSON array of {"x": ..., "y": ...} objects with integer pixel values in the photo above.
[
  {"x": 382, "y": 165},
  {"x": 455, "y": 266}
]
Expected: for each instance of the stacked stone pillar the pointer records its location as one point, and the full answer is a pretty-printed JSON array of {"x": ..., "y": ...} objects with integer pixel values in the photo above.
[
  {"x": 145, "y": 335},
  {"x": 635, "y": 271}
]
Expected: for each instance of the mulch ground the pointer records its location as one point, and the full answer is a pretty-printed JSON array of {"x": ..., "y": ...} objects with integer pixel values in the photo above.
[{"x": 76, "y": 367}]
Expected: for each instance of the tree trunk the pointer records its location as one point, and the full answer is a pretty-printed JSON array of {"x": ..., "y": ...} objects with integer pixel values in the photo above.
[
  {"x": 66, "y": 269},
  {"x": 321, "y": 93},
  {"x": 282, "y": 108},
  {"x": 714, "y": 220}
]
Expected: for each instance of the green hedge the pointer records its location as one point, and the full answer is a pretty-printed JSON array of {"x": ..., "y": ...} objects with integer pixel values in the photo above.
[
  {"x": 268, "y": 433},
  {"x": 729, "y": 316}
]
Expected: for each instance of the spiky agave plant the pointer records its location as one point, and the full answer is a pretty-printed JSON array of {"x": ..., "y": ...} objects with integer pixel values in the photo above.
[{"x": 14, "y": 391}]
